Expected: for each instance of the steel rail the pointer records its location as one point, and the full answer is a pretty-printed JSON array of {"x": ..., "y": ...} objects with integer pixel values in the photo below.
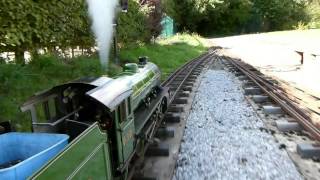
[
  {"x": 175, "y": 73},
  {"x": 186, "y": 70}
]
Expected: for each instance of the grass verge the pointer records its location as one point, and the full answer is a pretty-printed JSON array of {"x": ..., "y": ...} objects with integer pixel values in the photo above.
[{"x": 20, "y": 82}]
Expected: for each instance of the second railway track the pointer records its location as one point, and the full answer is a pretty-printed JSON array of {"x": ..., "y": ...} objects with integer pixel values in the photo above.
[
  {"x": 287, "y": 114},
  {"x": 272, "y": 90}
]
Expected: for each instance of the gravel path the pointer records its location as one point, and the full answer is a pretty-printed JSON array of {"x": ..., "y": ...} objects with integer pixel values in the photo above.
[{"x": 224, "y": 139}]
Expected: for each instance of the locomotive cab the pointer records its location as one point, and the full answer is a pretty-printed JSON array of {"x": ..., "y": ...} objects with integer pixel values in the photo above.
[
  {"x": 66, "y": 108},
  {"x": 88, "y": 106}
]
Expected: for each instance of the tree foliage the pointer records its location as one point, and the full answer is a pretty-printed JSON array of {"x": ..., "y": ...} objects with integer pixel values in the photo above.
[
  {"x": 30, "y": 25},
  {"x": 132, "y": 25},
  {"x": 313, "y": 11},
  {"x": 235, "y": 16}
]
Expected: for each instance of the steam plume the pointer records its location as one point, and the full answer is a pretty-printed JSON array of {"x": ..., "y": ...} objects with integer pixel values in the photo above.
[{"x": 102, "y": 13}]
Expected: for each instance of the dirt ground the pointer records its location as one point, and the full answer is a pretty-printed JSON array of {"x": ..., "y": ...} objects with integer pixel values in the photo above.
[{"x": 274, "y": 54}]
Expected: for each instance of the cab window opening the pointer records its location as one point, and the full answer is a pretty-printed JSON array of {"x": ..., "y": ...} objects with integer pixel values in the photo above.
[
  {"x": 129, "y": 106},
  {"x": 122, "y": 112}
]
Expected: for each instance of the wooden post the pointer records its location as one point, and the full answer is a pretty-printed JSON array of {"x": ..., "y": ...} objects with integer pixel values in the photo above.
[{"x": 302, "y": 57}]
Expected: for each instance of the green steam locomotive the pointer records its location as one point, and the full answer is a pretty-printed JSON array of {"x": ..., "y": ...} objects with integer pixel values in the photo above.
[{"x": 108, "y": 121}]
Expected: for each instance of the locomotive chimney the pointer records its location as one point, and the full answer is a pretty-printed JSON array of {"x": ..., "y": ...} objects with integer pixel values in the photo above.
[{"x": 143, "y": 60}]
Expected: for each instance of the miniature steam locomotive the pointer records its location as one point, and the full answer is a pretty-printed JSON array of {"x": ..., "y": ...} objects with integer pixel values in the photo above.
[{"x": 108, "y": 121}]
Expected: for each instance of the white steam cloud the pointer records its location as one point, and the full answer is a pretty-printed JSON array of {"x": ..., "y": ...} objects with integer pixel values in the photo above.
[{"x": 102, "y": 13}]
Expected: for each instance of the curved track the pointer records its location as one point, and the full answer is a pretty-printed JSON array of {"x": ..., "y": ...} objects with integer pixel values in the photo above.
[{"x": 160, "y": 157}]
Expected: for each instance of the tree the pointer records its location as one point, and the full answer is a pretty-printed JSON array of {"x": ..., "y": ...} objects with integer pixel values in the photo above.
[
  {"x": 155, "y": 15},
  {"x": 132, "y": 25},
  {"x": 279, "y": 14}
]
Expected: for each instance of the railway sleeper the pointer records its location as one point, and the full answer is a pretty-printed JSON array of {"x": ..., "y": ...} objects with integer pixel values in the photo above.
[
  {"x": 193, "y": 76},
  {"x": 185, "y": 94},
  {"x": 158, "y": 150},
  {"x": 232, "y": 70},
  {"x": 272, "y": 110},
  {"x": 243, "y": 78},
  {"x": 196, "y": 73},
  {"x": 165, "y": 132},
  {"x": 182, "y": 74},
  {"x": 179, "y": 78},
  {"x": 181, "y": 100},
  {"x": 287, "y": 126},
  {"x": 260, "y": 98},
  {"x": 228, "y": 65},
  {"x": 188, "y": 84},
  {"x": 232, "y": 67},
  {"x": 175, "y": 83},
  {"x": 172, "y": 117},
  {"x": 187, "y": 88},
  {"x": 176, "y": 108},
  {"x": 191, "y": 79},
  {"x": 248, "y": 84},
  {"x": 308, "y": 150},
  {"x": 188, "y": 81},
  {"x": 237, "y": 74},
  {"x": 252, "y": 91}
]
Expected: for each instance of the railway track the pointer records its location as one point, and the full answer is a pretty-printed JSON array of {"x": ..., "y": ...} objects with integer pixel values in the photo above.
[
  {"x": 160, "y": 157},
  {"x": 279, "y": 96},
  {"x": 301, "y": 107}
]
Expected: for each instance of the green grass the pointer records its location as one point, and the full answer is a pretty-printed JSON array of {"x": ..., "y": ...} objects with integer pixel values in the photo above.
[{"x": 20, "y": 82}]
